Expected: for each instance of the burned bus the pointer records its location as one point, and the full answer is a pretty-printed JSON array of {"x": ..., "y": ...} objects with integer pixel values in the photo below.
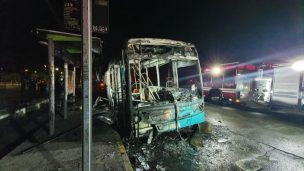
[{"x": 156, "y": 87}]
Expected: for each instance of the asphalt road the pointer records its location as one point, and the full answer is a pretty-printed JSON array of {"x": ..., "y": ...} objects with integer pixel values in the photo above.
[
  {"x": 261, "y": 127},
  {"x": 242, "y": 139}
]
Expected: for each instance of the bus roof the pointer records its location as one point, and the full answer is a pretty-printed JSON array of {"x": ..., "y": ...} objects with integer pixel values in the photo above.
[
  {"x": 153, "y": 52},
  {"x": 157, "y": 41}
]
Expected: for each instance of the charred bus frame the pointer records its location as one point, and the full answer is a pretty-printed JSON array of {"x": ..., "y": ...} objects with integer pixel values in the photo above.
[{"x": 144, "y": 108}]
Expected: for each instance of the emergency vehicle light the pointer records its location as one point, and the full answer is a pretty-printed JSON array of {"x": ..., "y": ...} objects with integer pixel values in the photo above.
[
  {"x": 298, "y": 66},
  {"x": 216, "y": 70}
]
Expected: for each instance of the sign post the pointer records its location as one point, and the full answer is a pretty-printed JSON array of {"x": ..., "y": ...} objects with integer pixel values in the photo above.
[
  {"x": 100, "y": 13},
  {"x": 87, "y": 84}
]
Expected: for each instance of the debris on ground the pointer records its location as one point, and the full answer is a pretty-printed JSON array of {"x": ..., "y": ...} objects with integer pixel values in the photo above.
[
  {"x": 205, "y": 128},
  {"x": 160, "y": 167},
  {"x": 222, "y": 140},
  {"x": 197, "y": 141},
  {"x": 143, "y": 162},
  {"x": 199, "y": 152},
  {"x": 254, "y": 164},
  {"x": 102, "y": 111},
  {"x": 110, "y": 155}
]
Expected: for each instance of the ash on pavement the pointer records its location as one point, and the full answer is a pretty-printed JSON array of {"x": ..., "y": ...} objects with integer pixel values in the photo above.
[{"x": 221, "y": 150}]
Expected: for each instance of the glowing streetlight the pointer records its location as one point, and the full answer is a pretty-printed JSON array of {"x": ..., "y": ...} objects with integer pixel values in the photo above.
[
  {"x": 216, "y": 70},
  {"x": 57, "y": 69},
  {"x": 298, "y": 66},
  {"x": 26, "y": 70}
]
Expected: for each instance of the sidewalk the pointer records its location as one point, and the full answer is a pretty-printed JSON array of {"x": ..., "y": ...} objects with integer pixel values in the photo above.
[{"x": 64, "y": 153}]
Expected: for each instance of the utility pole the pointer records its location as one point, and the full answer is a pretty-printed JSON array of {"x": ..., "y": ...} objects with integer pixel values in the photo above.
[{"x": 87, "y": 84}]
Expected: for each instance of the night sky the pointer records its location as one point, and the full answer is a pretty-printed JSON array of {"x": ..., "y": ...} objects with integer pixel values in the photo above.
[{"x": 223, "y": 31}]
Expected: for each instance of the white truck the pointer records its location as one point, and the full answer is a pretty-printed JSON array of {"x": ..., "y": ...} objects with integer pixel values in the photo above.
[{"x": 287, "y": 86}]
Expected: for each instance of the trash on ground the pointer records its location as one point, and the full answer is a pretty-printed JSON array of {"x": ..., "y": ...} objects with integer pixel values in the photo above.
[
  {"x": 196, "y": 141},
  {"x": 205, "y": 128},
  {"x": 161, "y": 168},
  {"x": 222, "y": 140},
  {"x": 110, "y": 155}
]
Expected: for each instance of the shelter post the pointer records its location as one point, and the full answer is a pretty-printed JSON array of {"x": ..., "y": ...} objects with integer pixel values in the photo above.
[{"x": 51, "y": 52}]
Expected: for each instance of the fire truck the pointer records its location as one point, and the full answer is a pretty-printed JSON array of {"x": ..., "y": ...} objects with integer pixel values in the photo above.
[
  {"x": 277, "y": 85},
  {"x": 287, "y": 85},
  {"x": 229, "y": 83}
]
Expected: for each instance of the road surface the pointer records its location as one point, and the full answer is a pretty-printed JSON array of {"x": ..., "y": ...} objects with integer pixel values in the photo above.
[{"x": 241, "y": 140}]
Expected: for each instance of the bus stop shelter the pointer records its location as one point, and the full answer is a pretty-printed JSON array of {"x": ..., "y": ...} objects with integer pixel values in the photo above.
[{"x": 66, "y": 47}]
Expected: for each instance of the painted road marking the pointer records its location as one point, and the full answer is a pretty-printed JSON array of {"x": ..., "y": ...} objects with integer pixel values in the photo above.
[
  {"x": 257, "y": 113},
  {"x": 280, "y": 111},
  {"x": 228, "y": 108}
]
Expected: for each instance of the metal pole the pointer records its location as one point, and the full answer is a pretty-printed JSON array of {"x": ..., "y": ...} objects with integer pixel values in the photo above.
[
  {"x": 147, "y": 76},
  {"x": 223, "y": 80},
  {"x": 119, "y": 83},
  {"x": 157, "y": 73},
  {"x": 51, "y": 51},
  {"x": 112, "y": 78},
  {"x": 175, "y": 73},
  {"x": 65, "y": 109},
  {"x": 74, "y": 81},
  {"x": 300, "y": 94},
  {"x": 115, "y": 82},
  {"x": 140, "y": 81},
  {"x": 200, "y": 77},
  {"x": 87, "y": 84}
]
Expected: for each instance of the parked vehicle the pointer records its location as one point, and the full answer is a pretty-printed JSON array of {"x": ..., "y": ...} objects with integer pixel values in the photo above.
[
  {"x": 275, "y": 85},
  {"x": 229, "y": 83},
  {"x": 287, "y": 86},
  {"x": 156, "y": 87}
]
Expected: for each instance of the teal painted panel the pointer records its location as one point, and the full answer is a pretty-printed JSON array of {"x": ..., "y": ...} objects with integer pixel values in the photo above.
[{"x": 183, "y": 122}]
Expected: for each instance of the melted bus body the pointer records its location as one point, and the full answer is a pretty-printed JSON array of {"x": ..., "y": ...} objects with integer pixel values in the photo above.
[{"x": 156, "y": 87}]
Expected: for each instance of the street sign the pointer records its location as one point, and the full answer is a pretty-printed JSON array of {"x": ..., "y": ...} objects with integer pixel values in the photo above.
[{"x": 100, "y": 15}]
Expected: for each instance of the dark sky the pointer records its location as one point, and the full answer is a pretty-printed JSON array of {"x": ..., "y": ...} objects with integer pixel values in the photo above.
[{"x": 224, "y": 31}]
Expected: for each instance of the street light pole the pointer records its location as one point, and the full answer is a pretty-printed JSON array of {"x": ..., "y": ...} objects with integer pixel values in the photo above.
[{"x": 87, "y": 84}]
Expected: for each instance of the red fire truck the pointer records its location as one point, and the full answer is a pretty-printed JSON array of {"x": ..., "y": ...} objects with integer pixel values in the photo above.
[{"x": 229, "y": 83}]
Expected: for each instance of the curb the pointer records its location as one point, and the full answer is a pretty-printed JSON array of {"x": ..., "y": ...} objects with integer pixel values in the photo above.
[
  {"x": 34, "y": 106},
  {"x": 126, "y": 161},
  {"x": 4, "y": 114}
]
